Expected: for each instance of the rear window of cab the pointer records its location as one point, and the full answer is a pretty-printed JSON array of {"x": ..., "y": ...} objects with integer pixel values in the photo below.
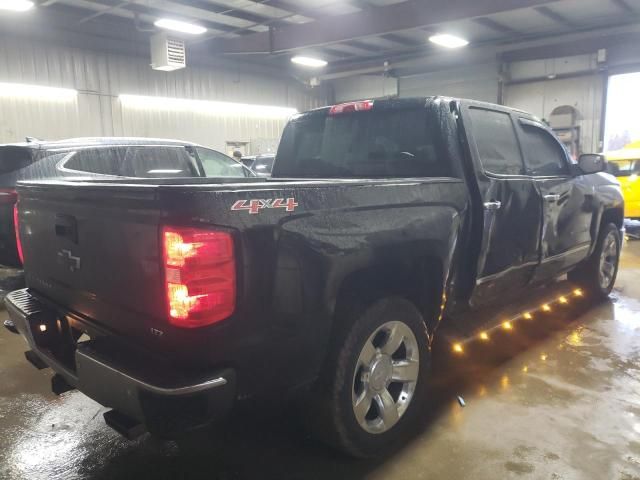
[{"x": 388, "y": 143}]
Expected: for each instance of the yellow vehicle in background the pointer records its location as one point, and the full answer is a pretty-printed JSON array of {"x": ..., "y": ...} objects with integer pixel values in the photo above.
[{"x": 625, "y": 165}]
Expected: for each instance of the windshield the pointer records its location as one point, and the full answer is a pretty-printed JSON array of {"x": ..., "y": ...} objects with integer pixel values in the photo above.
[
  {"x": 386, "y": 143},
  {"x": 624, "y": 168}
]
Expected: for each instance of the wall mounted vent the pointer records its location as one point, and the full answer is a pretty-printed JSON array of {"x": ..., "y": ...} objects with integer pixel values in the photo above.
[{"x": 167, "y": 54}]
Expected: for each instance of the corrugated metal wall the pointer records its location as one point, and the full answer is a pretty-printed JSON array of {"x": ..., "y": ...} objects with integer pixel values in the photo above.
[
  {"x": 101, "y": 77},
  {"x": 477, "y": 81},
  {"x": 540, "y": 95}
]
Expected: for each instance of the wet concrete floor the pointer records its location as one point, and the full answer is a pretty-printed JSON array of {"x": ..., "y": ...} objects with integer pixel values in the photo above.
[{"x": 555, "y": 398}]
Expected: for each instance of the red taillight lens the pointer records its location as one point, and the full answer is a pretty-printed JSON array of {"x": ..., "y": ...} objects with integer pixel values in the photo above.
[
  {"x": 16, "y": 227},
  {"x": 362, "y": 106},
  {"x": 200, "y": 275},
  {"x": 8, "y": 196}
]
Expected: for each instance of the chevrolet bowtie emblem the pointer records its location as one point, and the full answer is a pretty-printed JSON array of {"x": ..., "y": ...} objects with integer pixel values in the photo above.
[{"x": 71, "y": 262}]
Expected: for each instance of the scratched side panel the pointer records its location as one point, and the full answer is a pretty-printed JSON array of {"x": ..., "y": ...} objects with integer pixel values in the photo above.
[{"x": 293, "y": 263}]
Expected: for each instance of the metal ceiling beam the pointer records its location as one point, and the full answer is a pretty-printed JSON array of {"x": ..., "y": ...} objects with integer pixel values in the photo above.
[
  {"x": 367, "y": 47},
  {"x": 107, "y": 9},
  {"x": 491, "y": 24},
  {"x": 436, "y": 61},
  {"x": 232, "y": 12},
  {"x": 623, "y": 5},
  {"x": 292, "y": 7},
  {"x": 555, "y": 16},
  {"x": 399, "y": 39},
  {"x": 375, "y": 21},
  {"x": 210, "y": 24}
]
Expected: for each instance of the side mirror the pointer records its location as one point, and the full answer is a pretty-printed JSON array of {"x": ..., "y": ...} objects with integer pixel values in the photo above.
[{"x": 591, "y": 163}]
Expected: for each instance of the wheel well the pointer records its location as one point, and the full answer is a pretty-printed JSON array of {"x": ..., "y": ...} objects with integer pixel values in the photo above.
[
  {"x": 419, "y": 282},
  {"x": 613, "y": 215}
]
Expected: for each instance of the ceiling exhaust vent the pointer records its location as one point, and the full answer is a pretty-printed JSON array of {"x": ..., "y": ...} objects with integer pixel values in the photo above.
[{"x": 167, "y": 54}]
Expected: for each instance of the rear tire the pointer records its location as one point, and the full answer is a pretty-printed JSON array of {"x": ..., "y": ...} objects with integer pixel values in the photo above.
[
  {"x": 373, "y": 387},
  {"x": 598, "y": 273}
]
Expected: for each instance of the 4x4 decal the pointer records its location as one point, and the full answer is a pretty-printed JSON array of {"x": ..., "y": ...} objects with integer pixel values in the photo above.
[{"x": 255, "y": 205}]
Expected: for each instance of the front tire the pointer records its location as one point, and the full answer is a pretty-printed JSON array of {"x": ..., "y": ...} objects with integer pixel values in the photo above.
[
  {"x": 375, "y": 380},
  {"x": 598, "y": 274}
]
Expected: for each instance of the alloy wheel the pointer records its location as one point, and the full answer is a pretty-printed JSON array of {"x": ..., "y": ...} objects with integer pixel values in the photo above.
[{"x": 385, "y": 377}]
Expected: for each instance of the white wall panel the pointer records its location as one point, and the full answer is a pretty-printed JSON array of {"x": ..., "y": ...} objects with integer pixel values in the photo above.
[
  {"x": 477, "y": 82},
  {"x": 583, "y": 92},
  {"x": 364, "y": 87},
  {"x": 100, "y": 78}
]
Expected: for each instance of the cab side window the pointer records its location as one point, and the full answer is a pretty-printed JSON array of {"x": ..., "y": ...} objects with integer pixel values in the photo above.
[
  {"x": 103, "y": 161},
  {"x": 544, "y": 155},
  {"x": 495, "y": 137}
]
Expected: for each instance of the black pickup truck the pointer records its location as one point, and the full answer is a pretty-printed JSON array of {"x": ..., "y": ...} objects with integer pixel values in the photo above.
[{"x": 170, "y": 300}]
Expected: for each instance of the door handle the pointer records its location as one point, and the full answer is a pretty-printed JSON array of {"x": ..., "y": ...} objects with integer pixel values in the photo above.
[
  {"x": 493, "y": 205},
  {"x": 554, "y": 197}
]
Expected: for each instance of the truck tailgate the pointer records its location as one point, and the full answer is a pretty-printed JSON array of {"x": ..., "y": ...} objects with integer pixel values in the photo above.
[{"x": 96, "y": 251}]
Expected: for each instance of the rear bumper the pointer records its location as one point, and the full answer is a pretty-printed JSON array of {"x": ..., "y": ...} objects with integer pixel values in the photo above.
[{"x": 165, "y": 400}]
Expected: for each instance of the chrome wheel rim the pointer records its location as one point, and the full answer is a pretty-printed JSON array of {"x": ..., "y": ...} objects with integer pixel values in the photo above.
[
  {"x": 385, "y": 377},
  {"x": 608, "y": 261}
]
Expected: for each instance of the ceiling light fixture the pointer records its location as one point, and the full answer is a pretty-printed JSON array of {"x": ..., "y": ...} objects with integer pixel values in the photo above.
[
  {"x": 36, "y": 91},
  {"x": 309, "y": 62},
  {"x": 448, "y": 41},
  {"x": 16, "y": 5},
  {"x": 206, "y": 107},
  {"x": 178, "y": 26}
]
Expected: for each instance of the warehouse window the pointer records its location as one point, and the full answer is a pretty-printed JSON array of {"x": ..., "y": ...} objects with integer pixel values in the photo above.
[
  {"x": 544, "y": 155},
  {"x": 496, "y": 140},
  {"x": 388, "y": 143}
]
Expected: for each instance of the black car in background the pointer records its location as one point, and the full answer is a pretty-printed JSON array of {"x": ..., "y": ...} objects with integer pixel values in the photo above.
[
  {"x": 260, "y": 164},
  {"x": 105, "y": 156}
]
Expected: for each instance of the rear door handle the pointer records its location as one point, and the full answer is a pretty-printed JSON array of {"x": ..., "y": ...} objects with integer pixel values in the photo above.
[
  {"x": 552, "y": 197},
  {"x": 493, "y": 205}
]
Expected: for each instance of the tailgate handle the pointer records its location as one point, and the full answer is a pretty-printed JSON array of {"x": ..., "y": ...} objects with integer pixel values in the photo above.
[{"x": 67, "y": 226}]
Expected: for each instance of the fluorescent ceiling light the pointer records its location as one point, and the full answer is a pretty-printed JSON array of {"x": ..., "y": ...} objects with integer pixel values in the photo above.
[
  {"x": 309, "y": 62},
  {"x": 16, "y": 5},
  {"x": 448, "y": 41},
  {"x": 36, "y": 91},
  {"x": 178, "y": 26},
  {"x": 206, "y": 107}
]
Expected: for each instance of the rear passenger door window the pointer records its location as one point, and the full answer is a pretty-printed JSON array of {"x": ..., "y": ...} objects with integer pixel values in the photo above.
[
  {"x": 544, "y": 155},
  {"x": 103, "y": 161},
  {"x": 158, "y": 162},
  {"x": 216, "y": 164},
  {"x": 496, "y": 140}
]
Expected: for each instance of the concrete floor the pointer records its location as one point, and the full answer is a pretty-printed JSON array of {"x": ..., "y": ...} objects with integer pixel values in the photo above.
[{"x": 559, "y": 401}]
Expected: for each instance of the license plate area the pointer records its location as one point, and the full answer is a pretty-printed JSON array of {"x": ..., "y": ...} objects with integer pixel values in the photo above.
[{"x": 53, "y": 334}]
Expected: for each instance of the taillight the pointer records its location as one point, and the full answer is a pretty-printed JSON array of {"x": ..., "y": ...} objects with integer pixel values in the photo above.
[
  {"x": 8, "y": 196},
  {"x": 16, "y": 227},
  {"x": 362, "y": 106},
  {"x": 200, "y": 275}
]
